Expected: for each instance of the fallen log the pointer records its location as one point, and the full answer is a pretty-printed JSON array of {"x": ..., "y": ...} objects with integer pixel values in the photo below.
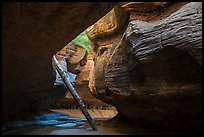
[{"x": 73, "y": 92}]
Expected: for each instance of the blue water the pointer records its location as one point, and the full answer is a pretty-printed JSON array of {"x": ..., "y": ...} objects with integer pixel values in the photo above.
[{"x": 54, "y": 118}]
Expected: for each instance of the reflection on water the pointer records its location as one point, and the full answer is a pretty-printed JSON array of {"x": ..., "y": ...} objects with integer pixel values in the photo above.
[
  {"x": 55, "y": 118},
  {"x": 56, "y": 121}
]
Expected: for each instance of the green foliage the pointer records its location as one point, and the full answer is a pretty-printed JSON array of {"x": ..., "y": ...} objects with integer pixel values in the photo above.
[{"x": 83, "y": 41}]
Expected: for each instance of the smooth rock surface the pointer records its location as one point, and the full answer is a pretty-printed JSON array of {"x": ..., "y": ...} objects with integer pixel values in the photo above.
[{"x": 31, "y": 33}]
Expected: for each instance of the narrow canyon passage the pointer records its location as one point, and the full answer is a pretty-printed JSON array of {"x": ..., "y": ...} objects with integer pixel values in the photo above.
[{"x": 137, "y": 67}]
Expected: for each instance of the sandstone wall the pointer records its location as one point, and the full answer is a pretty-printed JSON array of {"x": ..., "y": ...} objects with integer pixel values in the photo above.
[{"x": 31, "y": 34}]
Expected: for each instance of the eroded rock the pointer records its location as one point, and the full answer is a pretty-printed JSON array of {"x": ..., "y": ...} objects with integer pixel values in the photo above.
[{"x": 153, "y": 75}]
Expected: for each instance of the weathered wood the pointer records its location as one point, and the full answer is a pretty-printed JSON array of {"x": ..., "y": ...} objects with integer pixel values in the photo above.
[{"x": 73, "y": 92}]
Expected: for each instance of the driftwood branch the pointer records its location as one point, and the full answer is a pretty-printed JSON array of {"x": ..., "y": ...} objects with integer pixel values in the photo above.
[{"x": 73, "y": 92}]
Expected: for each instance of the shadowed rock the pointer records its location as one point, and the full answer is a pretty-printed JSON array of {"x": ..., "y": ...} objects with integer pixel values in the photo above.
[{"x": 31, "y": 34}]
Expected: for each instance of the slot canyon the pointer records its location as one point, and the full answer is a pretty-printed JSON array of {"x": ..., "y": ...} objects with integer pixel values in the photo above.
[{"x": 137, "y": 66}]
